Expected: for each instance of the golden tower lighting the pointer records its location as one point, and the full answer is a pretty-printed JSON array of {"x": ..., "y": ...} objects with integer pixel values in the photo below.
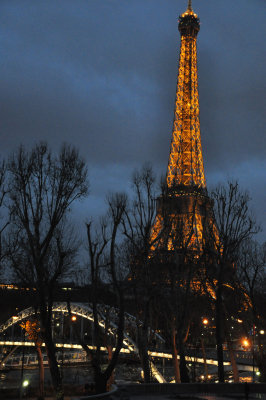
[
  {"x": 185, "y": 204},
  {"x": 185, "y": 166}
]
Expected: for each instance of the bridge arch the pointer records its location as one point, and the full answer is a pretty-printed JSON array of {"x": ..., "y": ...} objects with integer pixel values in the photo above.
[{"x": 85, "y": 311}]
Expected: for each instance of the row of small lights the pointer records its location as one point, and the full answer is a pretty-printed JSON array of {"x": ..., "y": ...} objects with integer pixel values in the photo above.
[
  {"x": 245, "y": 342},
  {"x": 73, "y": 318},
  {"x": 205, "y": 322}
]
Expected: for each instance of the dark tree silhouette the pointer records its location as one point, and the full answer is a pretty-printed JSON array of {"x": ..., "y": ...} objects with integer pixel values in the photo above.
[
  {"x": 138, "y": 223},
  {"x": 251, "y": 283},
  {"x": 4, "y": 219},
  {"x": 104, "y": 263},
  {"x": 234, "y": 224},
  {"x": 42, "y": 187}
]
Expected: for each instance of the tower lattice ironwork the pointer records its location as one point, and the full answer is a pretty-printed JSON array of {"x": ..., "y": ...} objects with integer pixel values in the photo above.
[
  {"x": 185, "y": 164},
  {"x": 185, "y": 205}
]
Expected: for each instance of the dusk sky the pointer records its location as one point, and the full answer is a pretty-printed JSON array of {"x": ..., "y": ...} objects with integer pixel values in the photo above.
[{"x": 101, "y": 75}]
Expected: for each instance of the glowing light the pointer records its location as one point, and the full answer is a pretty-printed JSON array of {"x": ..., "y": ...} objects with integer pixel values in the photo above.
[
  {"x": 185, "y": 165},
  {"x": 205, "y": 321},
  {"x": 262, "y": 332},
  {"x": 157, "y": 374},
  {"x": 245, "y": 343},
  {"x": 73, "y": 318},
  {"x": 25, "y": 383}
]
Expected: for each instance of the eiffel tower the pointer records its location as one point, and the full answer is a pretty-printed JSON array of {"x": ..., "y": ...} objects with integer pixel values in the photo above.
[{"x": 184, "y": 205}]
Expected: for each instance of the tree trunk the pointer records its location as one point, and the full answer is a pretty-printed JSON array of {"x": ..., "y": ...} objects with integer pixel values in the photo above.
[
  {"x": 41, "y": 371},
  {"x": 183, "y": 365},
  {"x": 204, "y": 358},
  {"x": 112, "y": 377},
  {"x": 143, "y": 354},
  {"x": 233, "y": 361},
  {"x": 175, "y": 359},
  {"x": 54, "y": 370},
  {"x": 100, "y": 381},
  {"x": 219, "y": 342}
]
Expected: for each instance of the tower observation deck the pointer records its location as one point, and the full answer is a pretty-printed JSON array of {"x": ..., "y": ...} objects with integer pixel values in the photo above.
[{"x": 184, "y": 206}]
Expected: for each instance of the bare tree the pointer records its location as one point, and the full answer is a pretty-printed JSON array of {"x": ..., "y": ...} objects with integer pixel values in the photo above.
[
  {"x": 160, "y": 266},
  {"x": 179, "y": 266},
  {"x": 251, "y": 284},
  {"x": 33, "y": 331},
  {"x": 233, "y": 224},
  {"x": 42, "y": 188},
  {"x": 104, "y": 265},
  {"x": 4, "y": 219},
  {"x": 138, "y": 225}
]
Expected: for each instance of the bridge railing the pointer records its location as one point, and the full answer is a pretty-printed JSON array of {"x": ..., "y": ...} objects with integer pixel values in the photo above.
[{"x": 17, "y": 360}]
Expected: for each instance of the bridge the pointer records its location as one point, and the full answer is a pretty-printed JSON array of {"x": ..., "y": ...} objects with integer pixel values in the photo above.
[
  {"x": 85, "y": 312},
  {"x": 10, "y": 339}
]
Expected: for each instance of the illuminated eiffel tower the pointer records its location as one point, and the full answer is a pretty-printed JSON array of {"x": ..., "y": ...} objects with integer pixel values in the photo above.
[{"x": 184, "y": 206}]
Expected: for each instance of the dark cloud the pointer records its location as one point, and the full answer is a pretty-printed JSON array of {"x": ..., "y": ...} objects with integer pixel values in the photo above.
[{"x": 102, "y": 75}]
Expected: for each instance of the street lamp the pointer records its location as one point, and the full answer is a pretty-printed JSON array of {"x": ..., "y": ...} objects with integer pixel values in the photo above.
[
  {"x": 205, "y": 322},
  {"x": 25, "y": 383},
  {"x": 245, "y": 343}
]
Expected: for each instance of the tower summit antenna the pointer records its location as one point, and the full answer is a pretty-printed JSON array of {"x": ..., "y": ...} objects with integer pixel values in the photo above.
[{"x": 189, "y": 6}]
